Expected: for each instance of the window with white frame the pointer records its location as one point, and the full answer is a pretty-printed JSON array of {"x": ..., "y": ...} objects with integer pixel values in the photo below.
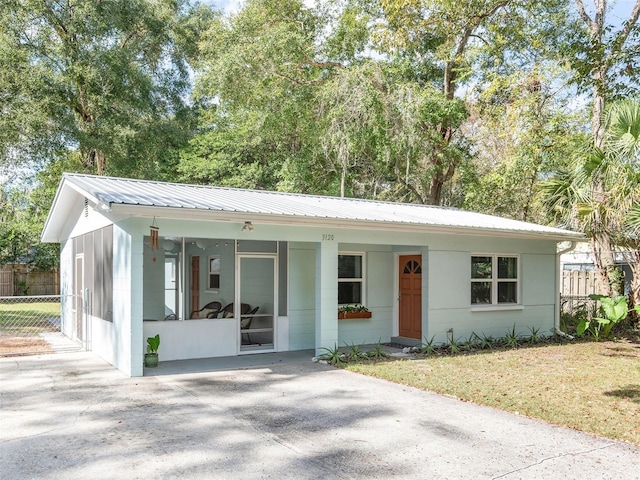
[
  {"x": 213, "y": 282},
  {"x": 351, "y": 278},
  {"x": 494, "y": 279}
]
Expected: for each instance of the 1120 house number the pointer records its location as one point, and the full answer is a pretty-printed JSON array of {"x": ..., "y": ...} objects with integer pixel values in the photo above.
[{"x": 327, "y": 237}]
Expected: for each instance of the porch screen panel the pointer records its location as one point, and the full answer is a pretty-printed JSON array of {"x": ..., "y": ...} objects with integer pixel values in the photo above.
[
  {"x": 107, "y": 274},
  {"x": 257, "y": 295},
  {"x": 283, "y": 273}
]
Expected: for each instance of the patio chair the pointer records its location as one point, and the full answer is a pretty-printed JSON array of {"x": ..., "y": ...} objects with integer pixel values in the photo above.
[
  {"x": 210, "y": 310},
  {"x": 245, "y": 323},
  {"x": 227, "y": 311}
]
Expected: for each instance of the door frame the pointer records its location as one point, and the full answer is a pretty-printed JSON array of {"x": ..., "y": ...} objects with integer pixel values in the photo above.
[
  {"x": 237, "y": 300},
  {"x": 396, "y": 290},
  {"x": 79, "y": 300}
]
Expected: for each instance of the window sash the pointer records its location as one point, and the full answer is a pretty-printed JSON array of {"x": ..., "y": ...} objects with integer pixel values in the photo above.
[
  {"x": 213, "y": 273},
  {"x": 351, "y": 289},
  {"x": 495, "y": 279}
]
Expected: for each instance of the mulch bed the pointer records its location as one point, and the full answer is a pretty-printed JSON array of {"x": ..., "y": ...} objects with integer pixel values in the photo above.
[{"x": 18, "y": 346}]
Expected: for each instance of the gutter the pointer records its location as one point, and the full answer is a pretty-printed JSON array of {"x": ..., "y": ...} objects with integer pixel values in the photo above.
[{"x": 556, "y": 325}]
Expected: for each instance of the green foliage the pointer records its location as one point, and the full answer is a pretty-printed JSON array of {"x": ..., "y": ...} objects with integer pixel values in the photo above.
[
  {"x": 470, "y": 343},
  {"x": 453, "y": 345},
  {"x": 106, "y": 79},
  {"x": 535, "y": 336},
  {"x": 428, "y": 347},
  {"x": 24, "y": 206},
  {"x": 333, "y": 356},
  {"x": 487, "y": 342},
  {"x": 612, "y": 311},
  {"x": 153, "y": 343},
  {"x": 353, "y": 308},
  {"x": 355, "y": 353},
  {"x": 377, "y": 352},
  {"x": 512, "y": 338}
]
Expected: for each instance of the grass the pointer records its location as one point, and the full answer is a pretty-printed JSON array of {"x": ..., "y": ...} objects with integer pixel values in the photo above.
[
  {"x": 589, "y": 386},
  {"x": 25, "y": 318}
]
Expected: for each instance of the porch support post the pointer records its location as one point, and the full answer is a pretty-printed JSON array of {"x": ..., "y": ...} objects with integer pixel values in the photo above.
[{"x": 326, "y": 295}]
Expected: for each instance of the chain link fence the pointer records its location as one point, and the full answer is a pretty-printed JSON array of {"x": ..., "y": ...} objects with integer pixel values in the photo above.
[{"x": 27, "y": 322}]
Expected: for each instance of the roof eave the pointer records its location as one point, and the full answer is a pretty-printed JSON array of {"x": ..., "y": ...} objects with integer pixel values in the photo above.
[{"x": 180, "y": 213}]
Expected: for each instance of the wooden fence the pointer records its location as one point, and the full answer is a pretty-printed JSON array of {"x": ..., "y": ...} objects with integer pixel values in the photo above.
[
  {"x": 582, "y": 283},
  {"x": 17, "y": 280}
]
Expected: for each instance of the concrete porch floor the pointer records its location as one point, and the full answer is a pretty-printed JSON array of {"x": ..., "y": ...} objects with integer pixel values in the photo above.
[
  {"x": 246, "y": 361},
  {"x": 228, "y": 363}
]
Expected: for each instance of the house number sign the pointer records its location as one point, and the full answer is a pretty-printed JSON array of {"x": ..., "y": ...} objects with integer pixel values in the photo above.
[{"x": 327, "y": 237}]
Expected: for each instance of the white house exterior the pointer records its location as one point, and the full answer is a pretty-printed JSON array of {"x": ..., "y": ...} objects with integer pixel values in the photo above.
[{"x": 422, "y": 271}]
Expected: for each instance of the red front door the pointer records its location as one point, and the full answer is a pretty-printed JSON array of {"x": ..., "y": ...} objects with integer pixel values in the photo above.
[{"x": 410, "y": 309}]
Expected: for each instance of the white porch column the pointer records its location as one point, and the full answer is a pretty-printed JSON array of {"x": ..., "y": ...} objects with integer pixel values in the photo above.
[{"x": 326, "y": 295}]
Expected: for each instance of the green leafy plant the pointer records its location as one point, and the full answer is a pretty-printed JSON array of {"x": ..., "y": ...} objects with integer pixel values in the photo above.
[
  {"x": 453, "y": 345},
  {"x": 377, "y": 352},
  {"x": 512, "y": 339},
  {"x": 486, "y": 342},
  {"x": 153, "y": 343},
  {"x": 470, "y": 343},
  {"x": 352, "y": 308},
  {"x": 612, "y": 311},
  {"x": 535, "y": 336},
  {"x": 355, "y": 353},
  {"x": 333, "y": 356},
  {"x": 428, "y": 346}
]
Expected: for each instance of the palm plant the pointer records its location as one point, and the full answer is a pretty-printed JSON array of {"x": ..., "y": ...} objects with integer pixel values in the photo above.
[{"x": 600, "y": 195}]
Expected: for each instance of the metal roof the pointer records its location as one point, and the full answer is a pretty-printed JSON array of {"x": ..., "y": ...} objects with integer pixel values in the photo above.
[{"x": 111, "y": 192}]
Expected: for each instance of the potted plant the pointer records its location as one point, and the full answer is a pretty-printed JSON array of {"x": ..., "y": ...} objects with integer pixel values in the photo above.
[
  {"x": 151, "y": 357},
  {"x": 353, "y": 311}
]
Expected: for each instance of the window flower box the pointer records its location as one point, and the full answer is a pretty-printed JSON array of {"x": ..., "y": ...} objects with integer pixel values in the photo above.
[{"x": 353, "y": 311}]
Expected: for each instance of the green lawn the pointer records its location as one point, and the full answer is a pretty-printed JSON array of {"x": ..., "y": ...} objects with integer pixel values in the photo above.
[
  {"x": 594, "y": 387},
  {"x": 27, "y": 318}
]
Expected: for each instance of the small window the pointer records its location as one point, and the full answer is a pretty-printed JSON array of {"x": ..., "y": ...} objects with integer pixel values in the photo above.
[
  {"x": 214, "y": 273},
  {"x": 351, "y": 278},
  {"x": 494, "y": 280}
]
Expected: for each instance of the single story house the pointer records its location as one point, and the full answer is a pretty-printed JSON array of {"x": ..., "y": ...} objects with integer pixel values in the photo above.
[
  {"x": 580, "y": 260},
  {"x": 222, "y": 271}
]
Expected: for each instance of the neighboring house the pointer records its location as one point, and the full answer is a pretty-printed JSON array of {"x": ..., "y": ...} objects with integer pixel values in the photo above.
[
  {"x": 580, "y": 273},
  {"x": 422, "y": 271}
]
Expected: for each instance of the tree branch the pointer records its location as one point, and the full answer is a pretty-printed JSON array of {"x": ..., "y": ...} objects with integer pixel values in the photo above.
[{"x": 623, "y": 34}]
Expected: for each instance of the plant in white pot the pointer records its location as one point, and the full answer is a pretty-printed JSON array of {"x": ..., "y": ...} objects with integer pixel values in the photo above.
[{"x": 151, "y": 357}]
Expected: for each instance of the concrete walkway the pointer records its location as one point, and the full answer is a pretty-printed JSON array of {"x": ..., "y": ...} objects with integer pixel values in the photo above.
[{"x": 72, "y": 416}]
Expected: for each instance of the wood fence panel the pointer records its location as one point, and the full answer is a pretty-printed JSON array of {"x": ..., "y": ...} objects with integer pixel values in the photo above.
[
  {"x": 6, "y": 283},
  {"x": 583, "y": 283},
  {"x": 17, "y": 280}
]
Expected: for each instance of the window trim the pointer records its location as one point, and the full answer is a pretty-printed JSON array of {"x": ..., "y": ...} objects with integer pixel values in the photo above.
[
  {"x": 494, "y": 280},
  {"x": 363, "y": 280},
  {"x": 209, "y": 273}
]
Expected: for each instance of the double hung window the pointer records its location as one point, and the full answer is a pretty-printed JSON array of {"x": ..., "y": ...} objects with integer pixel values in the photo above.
[
  {"x": 494, "y": 280},
  {"x": 351, "y": 278}
]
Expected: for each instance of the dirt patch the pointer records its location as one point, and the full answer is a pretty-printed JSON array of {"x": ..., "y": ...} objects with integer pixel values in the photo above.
[{"x": 16, "y": 346}]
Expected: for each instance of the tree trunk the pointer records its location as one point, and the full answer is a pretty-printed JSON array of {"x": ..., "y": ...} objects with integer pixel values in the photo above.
[{"x": 605, "y": 264}]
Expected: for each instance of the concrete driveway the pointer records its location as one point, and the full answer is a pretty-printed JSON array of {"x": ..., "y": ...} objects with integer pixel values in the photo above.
[{"x": 72, "y": 416}]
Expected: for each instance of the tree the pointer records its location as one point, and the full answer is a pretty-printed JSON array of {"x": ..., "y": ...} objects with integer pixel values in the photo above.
[
  {"x": 255, "y": 83},
  {"x": 522, "y": 131},
  {"x": 444, "y": 35},
  {"x": 611, "y": 209},
  {"x": 108, "y": 79},
  {"x": 602, "y": 57}
]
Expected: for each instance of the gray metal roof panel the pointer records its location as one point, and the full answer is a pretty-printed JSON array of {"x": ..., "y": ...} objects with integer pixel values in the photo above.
[{"x": 126, "y": 191}]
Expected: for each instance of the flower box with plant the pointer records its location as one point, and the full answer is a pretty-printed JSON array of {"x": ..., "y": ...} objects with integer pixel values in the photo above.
[
  {"x": 353, "y": 311},
  {"x": 151, "y": 357}
]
